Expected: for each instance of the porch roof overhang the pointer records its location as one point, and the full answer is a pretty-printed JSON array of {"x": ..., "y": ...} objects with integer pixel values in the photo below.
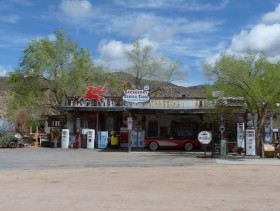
[{"x": 175, "y": 110}]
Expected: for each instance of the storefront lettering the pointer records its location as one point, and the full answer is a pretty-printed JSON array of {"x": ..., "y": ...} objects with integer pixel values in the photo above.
[{"x": 173, "y": 103}]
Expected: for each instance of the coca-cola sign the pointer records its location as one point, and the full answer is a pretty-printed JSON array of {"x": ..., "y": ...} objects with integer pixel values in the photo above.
[{"x": 204, "y": 137}]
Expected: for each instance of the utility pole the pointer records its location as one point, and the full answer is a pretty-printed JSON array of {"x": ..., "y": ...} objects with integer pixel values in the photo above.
[{"x": 129, "y": 127}]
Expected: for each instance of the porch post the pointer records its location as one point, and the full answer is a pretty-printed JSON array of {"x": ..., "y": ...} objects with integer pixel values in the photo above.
[{"x": 97, "y": 128}]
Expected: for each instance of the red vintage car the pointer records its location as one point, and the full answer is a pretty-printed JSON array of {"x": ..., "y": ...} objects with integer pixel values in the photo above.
[{"x": 172, "y": 143}]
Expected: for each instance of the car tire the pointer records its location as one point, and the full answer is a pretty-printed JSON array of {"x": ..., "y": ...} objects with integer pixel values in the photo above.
[
  {"x": 12, "y": 144},
  {"x": 153, "y": 146},
  {"x": 188, "y": 146}
]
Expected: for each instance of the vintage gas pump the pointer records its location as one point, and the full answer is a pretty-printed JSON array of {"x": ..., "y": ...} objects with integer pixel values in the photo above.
[
  {"x": 223, "y": 145},
  {"x": 250, "y": 137},
  {"x": 268, "y": 146},
  {"x": 267, "y": 132},
  {"x": 65, "y": 138},
  {"x": 78, "y": 133},
  {"x": 240, "y": 136},
  {"x": 90, "y": 138},
  {"x": 250, "y": 142},
  {"x": 276, "y": 141}
]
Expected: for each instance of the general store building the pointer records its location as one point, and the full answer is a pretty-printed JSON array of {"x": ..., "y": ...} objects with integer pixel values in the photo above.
[{"x": 180, "y": 115}]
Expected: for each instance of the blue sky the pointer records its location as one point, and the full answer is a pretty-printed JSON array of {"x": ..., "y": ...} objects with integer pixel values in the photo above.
[{"x": 190, "y": 31}]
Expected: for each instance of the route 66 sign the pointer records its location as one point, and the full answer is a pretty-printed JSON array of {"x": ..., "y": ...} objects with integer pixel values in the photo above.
[{"x": 204, "y": 137}]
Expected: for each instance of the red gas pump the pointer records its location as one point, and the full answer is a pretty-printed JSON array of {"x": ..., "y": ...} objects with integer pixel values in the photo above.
[
  {"x": 78, "y": 138},
  {"x": 276, "y": 141}
]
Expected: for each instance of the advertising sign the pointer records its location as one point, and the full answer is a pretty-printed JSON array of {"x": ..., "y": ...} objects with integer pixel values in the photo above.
[
  {"x": 136, "y": 96},
  {"x": 204, "y": 137},
  {"x": 95, "y": 93},
  {"x": 124, "y": 87}
]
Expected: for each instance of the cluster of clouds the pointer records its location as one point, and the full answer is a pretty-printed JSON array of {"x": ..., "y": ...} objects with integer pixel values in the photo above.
[
  {"x": 171, "y": 36},
  {"x": 159, "y": 31},
  {"x": 262, "y": 37},
  {"x": 162, "y": 31}
]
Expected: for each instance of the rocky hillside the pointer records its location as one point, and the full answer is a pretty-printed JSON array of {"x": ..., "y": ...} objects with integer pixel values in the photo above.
[{"x": 166, "y": 90}]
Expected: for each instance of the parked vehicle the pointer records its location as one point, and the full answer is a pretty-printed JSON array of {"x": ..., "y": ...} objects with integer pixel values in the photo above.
[
  {"x": 12, "y": 140},
  {"x": 187, "y": 144},
  {"x": 17, "y": 141}
]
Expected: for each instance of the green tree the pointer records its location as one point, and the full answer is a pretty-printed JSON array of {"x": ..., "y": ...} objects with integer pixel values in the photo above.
[
  {"x": 50, "y": 71},
  {"x": 253, "y": 78},
  {"x": 145, "y": 65}
]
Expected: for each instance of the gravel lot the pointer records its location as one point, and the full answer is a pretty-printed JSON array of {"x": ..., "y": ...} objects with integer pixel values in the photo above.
[{"x": 58, "y": 179}]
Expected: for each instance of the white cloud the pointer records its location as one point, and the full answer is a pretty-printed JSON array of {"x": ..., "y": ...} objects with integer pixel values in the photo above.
[
  {"x": 51, "y": 37},
  {"x": 172, "y": 4},
  {"x": 113, "y": 53},
  {"x": 77, "y": 9},
  {"x": 261, "y": 37},
  {"x": 17, "y": 42},
  {"x": 23, "y": 2},
  {"x": 157, "y": 28},
  {"x": 4, "y": 70},
  {"x": 195, "y": 6},
  {"x": 200, "y": 26},
  {"x": 142, "y": 24},
  {"x": 10, "y": 18},
  {"x": 272, "y": 16}
]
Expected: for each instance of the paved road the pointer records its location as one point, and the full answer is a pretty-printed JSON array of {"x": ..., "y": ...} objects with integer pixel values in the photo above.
[{"x": 42, "y": 158}]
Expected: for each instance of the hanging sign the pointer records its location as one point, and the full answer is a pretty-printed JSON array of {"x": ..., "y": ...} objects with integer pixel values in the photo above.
[{"x": 136, "y": 96}]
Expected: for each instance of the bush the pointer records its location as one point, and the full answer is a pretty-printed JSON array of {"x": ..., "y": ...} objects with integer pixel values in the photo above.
[{"x": 5, "y": 138}]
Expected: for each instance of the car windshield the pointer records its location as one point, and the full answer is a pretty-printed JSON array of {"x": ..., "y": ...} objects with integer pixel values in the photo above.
[{"x": 172, "y": 135}]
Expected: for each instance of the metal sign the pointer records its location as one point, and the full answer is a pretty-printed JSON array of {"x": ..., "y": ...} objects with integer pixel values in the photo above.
[
  {"x": 95, "y": 93},
  {"x": 136, "y": 96},
  {"x": 222, "y": 125},
  {"x": 204, "y": 137},
  {"x": 129, "y": 123},
  {"x": 124, "y": 87}
]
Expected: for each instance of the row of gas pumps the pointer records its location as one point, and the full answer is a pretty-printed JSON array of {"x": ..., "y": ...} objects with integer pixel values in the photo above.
[
  {"x": 246, "y": 138},
  {"x": 85, "y": 138}
]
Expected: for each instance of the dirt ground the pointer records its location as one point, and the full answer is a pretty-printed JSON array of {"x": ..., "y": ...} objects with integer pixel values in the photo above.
[{"x": 198, "y": 187}]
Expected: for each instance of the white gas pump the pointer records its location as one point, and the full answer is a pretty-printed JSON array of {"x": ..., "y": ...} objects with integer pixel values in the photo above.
[
  {"x": 240, "y": 135},
  {"x": 65, "y": 139},
  {"x": 90, "y": 138},
  {"x": 250, "y": 142}
]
